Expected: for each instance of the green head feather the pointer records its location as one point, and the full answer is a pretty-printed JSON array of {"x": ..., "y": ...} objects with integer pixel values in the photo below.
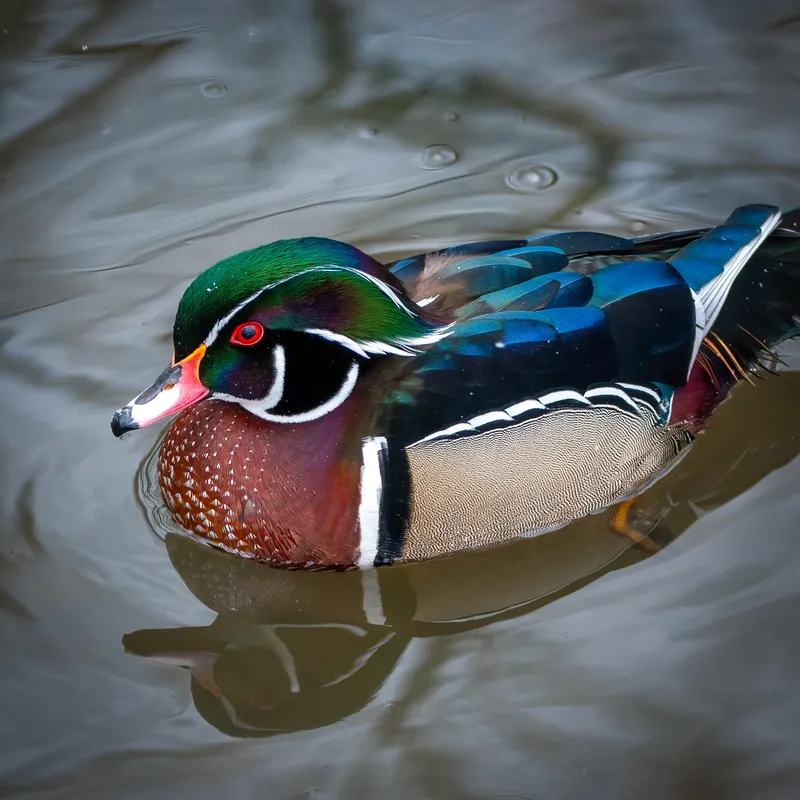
[{"x": 310, "y": 284}]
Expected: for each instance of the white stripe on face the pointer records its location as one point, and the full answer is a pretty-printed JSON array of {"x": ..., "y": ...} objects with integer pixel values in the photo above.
[{"x": 403, "y": 345}]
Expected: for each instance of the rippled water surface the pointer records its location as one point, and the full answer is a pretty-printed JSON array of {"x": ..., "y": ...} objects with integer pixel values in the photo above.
[{"x": 143, "y": 141}]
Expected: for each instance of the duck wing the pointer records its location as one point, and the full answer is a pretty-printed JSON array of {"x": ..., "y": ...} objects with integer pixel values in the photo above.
[{"x": 559, "y": 318}]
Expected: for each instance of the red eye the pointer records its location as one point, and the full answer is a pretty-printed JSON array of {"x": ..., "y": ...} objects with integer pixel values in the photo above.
[{"x": 248, "y": 333}]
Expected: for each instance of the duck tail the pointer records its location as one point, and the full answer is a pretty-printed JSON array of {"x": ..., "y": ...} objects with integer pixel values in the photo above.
[
  {"x": 761, "y": 311},
  {"x": 763, "y": 307}
]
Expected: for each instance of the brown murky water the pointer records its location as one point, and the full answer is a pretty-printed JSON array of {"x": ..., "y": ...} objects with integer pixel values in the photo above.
[{"x": 143, "y": 141}]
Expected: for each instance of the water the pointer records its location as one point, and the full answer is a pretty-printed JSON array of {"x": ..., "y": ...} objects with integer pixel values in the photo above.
[{"x": 140, "y": 143}]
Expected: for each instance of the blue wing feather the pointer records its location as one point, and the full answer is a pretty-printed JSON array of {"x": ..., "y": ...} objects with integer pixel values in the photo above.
[
  {"x": 528, "y": 296},
  {"x": 541, "y": 259},
  {"x": 408, "y": 269},
  {"x": 572, "y": 309},
  {"x": 574, "y": 290},
  {"x": 485, "y": 274},
  {"x": 575, "y": 320},
  {"x": 510, "y": 329},
  {"x": 578, "y": 243},
  {"x": 631, "y": 278},
  {"x": 554, "y": 290},
  {"x": 705, "y": 259}
]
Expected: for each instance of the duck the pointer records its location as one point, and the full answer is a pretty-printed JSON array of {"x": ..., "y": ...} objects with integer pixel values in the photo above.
[{"x": 335, "y": 412}]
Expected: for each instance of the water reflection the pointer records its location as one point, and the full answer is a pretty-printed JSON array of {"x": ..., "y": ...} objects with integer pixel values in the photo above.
[
  {"x": 296, "y": 650},
  {"x": 288, "y": 650},
  {"x": 292, "y": 650},
  {"x": 122, "y": 178}
]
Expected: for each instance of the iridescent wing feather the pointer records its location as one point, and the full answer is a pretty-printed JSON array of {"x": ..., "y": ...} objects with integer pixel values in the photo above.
[{"x": 567, "y": 311}]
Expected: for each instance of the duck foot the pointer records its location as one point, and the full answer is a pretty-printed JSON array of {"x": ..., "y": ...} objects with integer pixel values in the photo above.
[{"x": 622, "y": 523}]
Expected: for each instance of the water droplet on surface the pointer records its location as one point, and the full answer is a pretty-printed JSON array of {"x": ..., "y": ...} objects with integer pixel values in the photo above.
[
  {"x": 367, "y": 133},
  {"x": 452, "y": 116},
  {"x": 637, "y": 226},
  {"x": 438, "y": 156},
  {"x": 214, "y": 89},
  {"x": 531, "y": 179},
  {"x": 252, "y": 30}
]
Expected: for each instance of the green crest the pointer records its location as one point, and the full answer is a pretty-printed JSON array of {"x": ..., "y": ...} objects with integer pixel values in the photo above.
[{"x": 321, "y": 286}]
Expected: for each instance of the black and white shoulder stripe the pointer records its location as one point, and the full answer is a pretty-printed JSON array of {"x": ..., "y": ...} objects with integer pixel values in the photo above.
[
  {"x": 628, "y": 398},
  {"x": 383, "y": 511}
]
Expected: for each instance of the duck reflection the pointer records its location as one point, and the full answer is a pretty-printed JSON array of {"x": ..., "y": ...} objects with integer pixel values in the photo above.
[
  {"x": 288, "y": 651},
  {"x": 299, "y": 650}
]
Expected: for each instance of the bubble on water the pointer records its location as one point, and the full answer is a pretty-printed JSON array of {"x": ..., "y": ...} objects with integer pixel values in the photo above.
[
  {"x": 84, "y": 47},
  {"x": 252, "y": 30},
  {"x": 452, "y": 116},
  {"x": 367, "y": 132},
  {"x": 531, "y": 178},
  {"x": 214, "y": 89},
  {"x": 438, "y": 156},
  {"x": 637, "y": 226}
]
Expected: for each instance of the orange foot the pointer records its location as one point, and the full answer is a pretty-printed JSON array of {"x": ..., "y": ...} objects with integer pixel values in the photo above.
[{"x": 622, "y": 522}]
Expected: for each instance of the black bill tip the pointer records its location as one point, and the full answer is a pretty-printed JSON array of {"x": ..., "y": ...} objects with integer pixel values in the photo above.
[{"x": 122, "y": 422}]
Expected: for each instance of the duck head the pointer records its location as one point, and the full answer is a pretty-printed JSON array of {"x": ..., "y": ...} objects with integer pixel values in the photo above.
[{"x": 284, "y": 331}]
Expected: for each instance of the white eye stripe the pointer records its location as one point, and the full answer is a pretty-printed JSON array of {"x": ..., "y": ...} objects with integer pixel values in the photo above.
[
  {"x": 402, "y": 347},
  {"x": 339, "y": 338},
  {"x": 221, "y": 323},
  {"x": 399, "y": 348}
]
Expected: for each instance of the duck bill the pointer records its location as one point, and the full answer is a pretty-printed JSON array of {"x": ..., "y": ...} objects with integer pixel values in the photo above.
[{"x": 176, "y": 388}]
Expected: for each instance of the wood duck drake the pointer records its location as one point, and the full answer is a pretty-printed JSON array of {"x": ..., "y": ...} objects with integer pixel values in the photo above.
[{"x": 338, "y": 412}]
